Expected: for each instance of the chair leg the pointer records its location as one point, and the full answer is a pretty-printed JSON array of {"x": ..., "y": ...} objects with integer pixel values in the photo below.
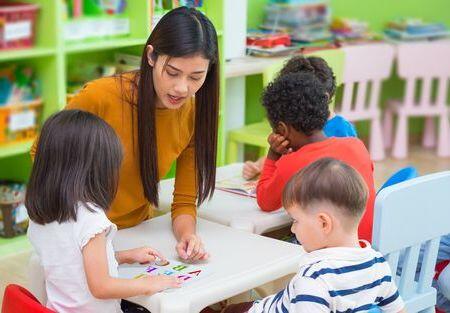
[
  {"x": 444, "y": 136},
  {"x": 429, "y": 133},
  {"x": 388, "y": 125},
  {"x": 400, "y": 148},
  {"x": 376, "y": 140},
  {"x": 232, "y": 151}
]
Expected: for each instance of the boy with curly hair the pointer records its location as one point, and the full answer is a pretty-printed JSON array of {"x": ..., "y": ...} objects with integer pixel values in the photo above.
[
  {"x": 335, "y": 126},
  {"x": 297, "y": 109}
]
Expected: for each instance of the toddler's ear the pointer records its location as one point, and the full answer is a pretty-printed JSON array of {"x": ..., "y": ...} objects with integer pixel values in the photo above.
[
  {"x": 326, "y": 223},
  {"x": 282, "y": 129}
]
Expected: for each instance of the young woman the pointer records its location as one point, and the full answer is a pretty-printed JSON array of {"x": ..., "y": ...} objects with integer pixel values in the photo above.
[{"x": 165, "y": 112}]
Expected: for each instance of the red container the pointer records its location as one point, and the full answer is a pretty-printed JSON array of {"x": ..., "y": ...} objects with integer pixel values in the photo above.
[{"x": 17, "y": 24}]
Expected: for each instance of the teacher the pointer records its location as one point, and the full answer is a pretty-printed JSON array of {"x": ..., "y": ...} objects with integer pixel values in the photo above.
[{"x": 164, "y": 112}]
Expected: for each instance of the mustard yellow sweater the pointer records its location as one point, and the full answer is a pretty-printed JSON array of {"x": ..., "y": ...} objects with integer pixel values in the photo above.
[{"x": 174, "y": 135}]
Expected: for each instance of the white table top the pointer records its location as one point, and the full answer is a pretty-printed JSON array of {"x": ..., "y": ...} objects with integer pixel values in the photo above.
[
  {"x": 231, "y": 209},
  {"x": 239, "y": 262}
]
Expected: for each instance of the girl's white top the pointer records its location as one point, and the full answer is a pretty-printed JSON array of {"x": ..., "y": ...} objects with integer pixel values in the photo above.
[{"x": 59, "y": 247}]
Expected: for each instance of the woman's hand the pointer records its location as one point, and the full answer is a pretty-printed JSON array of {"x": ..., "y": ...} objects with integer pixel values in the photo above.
[
  {"x": 140, "y": 255},
  {"x": 190, "y": 248}
]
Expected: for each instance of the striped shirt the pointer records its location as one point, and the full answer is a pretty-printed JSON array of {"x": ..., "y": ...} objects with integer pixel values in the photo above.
[{"x": 337, "y": 280}]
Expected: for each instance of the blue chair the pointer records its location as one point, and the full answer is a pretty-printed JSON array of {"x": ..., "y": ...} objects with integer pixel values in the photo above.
[
  {"x": 407, "y": 215},
  {"x": 401, "y": 175}
]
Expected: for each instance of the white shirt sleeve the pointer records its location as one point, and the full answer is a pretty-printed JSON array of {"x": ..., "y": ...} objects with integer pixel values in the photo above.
[{"x": 91, "y": 222}]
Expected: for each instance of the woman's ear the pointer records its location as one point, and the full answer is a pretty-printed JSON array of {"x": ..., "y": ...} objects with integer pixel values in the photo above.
[{"x": 150, "y": 55}]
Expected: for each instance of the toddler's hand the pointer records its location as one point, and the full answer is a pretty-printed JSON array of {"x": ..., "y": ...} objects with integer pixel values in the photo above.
[
  {"x": 251, "y": 170},
  {"x": 154, "y": 284},
  {"x": 278, "y": 146}
]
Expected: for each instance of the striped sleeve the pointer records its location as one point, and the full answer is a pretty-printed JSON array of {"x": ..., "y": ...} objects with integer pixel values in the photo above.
[
  {"x": 390, "y": 301},
  {"x": 309, "y": 295},
  {"x": 302, "y": 295}
]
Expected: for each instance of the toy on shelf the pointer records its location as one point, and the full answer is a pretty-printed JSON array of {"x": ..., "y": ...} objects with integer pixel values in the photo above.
[
  {"x": 20, "y": 103},
  {"x": 88, "y": 19},
  {"x": 411, "y": 29},
  {"x": 13, "y": 214},
  {"x": 351, "y": 31},
  {"x": 306, "y": 21},
  {"x": 17, "y": 24}
]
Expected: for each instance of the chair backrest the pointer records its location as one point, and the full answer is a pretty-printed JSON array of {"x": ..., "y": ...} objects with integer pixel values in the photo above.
[
  {"x": 428, "y": 62},
  {"x": 19, "y": 300},
  {"x": 408, "y": 215},
  {"x": 401, "y": 175},
  {"x": 365, "y": 67}
]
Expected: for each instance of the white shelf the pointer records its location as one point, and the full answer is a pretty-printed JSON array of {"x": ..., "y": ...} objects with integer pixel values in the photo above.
[{"x": 249, "y": 65}]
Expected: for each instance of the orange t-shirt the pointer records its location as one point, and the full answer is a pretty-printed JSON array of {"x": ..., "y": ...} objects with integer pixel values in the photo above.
[{"x": 351, "y": 151}]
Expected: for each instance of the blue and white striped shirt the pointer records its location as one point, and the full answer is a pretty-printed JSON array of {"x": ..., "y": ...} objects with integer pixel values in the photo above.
[{"x": 337, "y": 280}]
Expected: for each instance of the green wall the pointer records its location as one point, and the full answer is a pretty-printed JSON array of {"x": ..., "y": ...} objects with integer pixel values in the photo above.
[{"x": 376, "y": 12}]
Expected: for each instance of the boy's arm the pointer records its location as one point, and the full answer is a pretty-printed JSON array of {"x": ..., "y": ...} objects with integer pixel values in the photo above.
[
  {"x": 309, "y": 295},
  {"x": 270, "y": 187}
]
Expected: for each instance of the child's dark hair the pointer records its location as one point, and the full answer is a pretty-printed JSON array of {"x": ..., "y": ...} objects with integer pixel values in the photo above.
[
  {"x": 78, "y": 159},
  {"x": 314, "y": 65},
  {"x": 299, "y": 100},
  {"x": 329, "y": 180}
]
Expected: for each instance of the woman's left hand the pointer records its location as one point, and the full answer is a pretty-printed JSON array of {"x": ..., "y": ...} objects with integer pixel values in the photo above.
[{"x": 190, "y": 247}]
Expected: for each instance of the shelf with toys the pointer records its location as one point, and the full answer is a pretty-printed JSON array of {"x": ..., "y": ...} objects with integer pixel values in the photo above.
[{"x": 51, "y": 38}]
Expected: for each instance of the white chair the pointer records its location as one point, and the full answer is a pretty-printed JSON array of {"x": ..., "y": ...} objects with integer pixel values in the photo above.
[
  {"x": 365, "y": 68},
  {"x": 428, "y": 62}
]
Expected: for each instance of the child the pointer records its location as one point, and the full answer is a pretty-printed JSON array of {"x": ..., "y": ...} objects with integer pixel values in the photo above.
[
  {"x": 73, "y": 181},
  {"x": 336, "y": 125},
  {"x": 297, "y": 109},
  {"x": 337, "y": 273}
]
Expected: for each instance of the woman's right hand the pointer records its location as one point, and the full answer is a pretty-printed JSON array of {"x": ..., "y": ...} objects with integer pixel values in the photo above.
[{"x": 154, "y": 284}]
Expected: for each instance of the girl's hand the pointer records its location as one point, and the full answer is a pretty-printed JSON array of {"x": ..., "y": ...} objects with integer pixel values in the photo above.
[
  {"x": 191, "y": 248},
  {"x": 140, "y": 255},
  {"x": 251, "y": 170},
  {"x": 279, "y": 145},
  {"x": 153, "y": 284}
]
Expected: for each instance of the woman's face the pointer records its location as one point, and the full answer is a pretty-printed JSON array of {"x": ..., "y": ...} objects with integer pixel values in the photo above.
[{"x": 177, "y": 79}]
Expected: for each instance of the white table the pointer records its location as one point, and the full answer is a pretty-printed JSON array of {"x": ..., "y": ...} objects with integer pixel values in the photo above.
[
  {"x": 230, "y": 209},
  {"x": 239, "y": 262}
]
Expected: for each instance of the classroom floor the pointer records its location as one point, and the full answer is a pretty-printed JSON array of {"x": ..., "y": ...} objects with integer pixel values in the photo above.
[{"x": 13, "y": 266}]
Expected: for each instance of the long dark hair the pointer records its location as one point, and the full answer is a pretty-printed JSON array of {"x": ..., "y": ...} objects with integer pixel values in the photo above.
[
  {"x": 181, "y": 32},
  {"x": 78, "y": 159}
]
